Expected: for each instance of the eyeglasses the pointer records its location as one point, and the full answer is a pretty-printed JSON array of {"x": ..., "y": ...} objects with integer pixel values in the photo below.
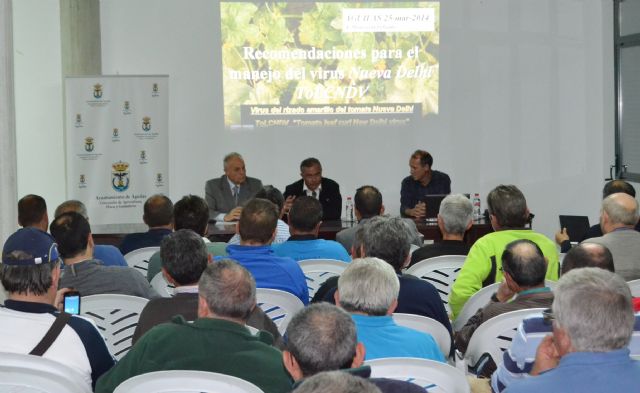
[{"x": 548, "y": 317}]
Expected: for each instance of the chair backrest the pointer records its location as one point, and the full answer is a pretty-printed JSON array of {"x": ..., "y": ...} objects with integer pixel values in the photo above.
[
  {"x": 30, "y": 373},
  {"x": 317, "y": 271},
  {"x": 634, "y": 285},
  {"x": 440, "y": 271},
  {"x": 116, "y": 316},
  {"x": 161, "y": 286},
  {"x": 475, "y": 302},
  {"x": 431, "y": 375},
  {"x": 186, "y": 381},
  {"x": 426, "y": 325},
  {"x": 280, "y": 306},
  {"x": 139, "y": 259},
  {"x": 495, "y": 335}
]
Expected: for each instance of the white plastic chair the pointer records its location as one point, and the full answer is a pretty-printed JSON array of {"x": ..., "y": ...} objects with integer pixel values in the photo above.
[
  {"x": 634, "y": 285},
  {"x": 440, "y": 271},
  {"x": 475, "y": 302},
  {"x": 139, "y": 259},
  {"x": 317, "y": 271},
  {"x": 161, "y": 286},
  {"x": 431, "y": 375},
  {"x": 186, "y": 381},
  {"x": 426, "y": 325},
  {"x": 280, "y": 306},
  {"x": 495, "y": 335},
  {"x": 116, "y": 316},
  {"x": 35, "y": 374}
]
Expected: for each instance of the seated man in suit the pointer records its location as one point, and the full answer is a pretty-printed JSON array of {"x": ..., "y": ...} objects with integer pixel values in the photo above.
[
  {"x": 86, "y": 274},
  {"x": 226, "y": 195},
  {"x": 314, "y": 185},
  {"x": 158, "y": 215},
  {"x": 217, "y": 341},
  {"x": 257, "y": 228},
  {"x": 422, "y": 181},
  {"x": 322, "y": 337},
  {"x": 108, "y": 254},
  {"x": 368, "y": 204},
  {"x": 368, "y": 290},
  {"x": 184, "y": 258},
  {"x": 454, "y": 219},
  {"x": 304, "y": 225}
]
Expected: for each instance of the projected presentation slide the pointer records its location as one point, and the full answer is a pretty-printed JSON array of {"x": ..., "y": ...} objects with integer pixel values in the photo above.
[{"x": 316, "y": 64}]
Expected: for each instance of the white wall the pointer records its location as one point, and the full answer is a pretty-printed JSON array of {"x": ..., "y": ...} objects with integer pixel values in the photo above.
[
  {"x": 526, "y": 98},
  {"x": 38, "y": 96}
]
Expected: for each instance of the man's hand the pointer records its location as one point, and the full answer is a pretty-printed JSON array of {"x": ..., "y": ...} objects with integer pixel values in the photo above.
[
  {"x": 562, "y": 236},
  {"x": 419, "y": 211},
  {"x": 59, "y": 301},
  {"x": 233, "y": 215},
  {"x": 504, "y": 292},
  {"x": 288, "y": 203},
  {"x": 547, "y": 356}
]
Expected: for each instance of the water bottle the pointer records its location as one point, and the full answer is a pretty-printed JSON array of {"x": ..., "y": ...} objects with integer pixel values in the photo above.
[
  {"x": 477, "y": 212},
  {"x": 348, "y": 210}
]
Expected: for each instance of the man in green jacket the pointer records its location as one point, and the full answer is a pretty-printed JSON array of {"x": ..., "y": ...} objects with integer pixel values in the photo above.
[
  {"x": 509, "y": 217},
  {"x": 217, "y": 341}
]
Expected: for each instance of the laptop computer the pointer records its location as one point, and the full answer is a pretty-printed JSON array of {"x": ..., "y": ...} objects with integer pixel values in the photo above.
[
  {"x": 577, "y": 226},
  {"x": 433, "y": 205}
]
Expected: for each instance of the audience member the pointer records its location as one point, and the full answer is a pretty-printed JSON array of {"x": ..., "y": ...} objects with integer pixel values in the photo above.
[
  {"x": 611, "y": 187},
  {"x": 29, "y": 273},
  {"x": 32, "y": 212},
  {"x": 217, "y": 341},
  {"x": 322, "y": 337},
  {"x": 158, "y": 216},
  {"x": 314, "y": 185},
  {"x": 454, "y": 219},
  {"x": 388, "y": 239},
  {"x": 422, "y": 181},
  {"x": 257, "y": 228},
  {"x": 305, "y": 218},
  {"x": 190, "y": 212},
  {"x": 336, "y": 382},
  {"x": 367, "y": 204},
  {"x": 592, "y": 325},
  {"x": 368, "y": 289},
  {"x": 227, "y": 194},
  {"x": 509, "y": 215},
  {"x": 519, "y": 358},
  {"x": 108, "y": 254},
  {"x": 86, "y": 274},
  {"x": 618, "y": 219},
  {"x": 274, "y": 195},
  {"x": 524, "y": 269},
  {"x": 184, "y": 257}
]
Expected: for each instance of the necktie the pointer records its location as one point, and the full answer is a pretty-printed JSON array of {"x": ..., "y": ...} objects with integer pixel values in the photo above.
[
  {"x": 236, "y": 191},
  {"x": 314, "y": 194}
]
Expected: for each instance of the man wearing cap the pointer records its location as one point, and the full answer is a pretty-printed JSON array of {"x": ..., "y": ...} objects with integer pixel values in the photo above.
[{"x": 29, "y": 273}]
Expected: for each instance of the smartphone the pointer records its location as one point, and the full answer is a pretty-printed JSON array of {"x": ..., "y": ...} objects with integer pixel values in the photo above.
[{"x": 72, "y": 302}]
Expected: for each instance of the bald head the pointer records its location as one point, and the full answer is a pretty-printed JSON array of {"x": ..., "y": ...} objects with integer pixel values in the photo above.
[
  {"x": 524, "y": 262},
  {"x": 587, "y": 255},
  {"x": 158, "y": 211},
  {"x": 619, "y": 210}
]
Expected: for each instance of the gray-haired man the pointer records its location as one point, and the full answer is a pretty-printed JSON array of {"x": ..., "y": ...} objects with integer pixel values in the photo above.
[
  {"x": 322, "y": 337},
  {"x": 592, "y": 325}
]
